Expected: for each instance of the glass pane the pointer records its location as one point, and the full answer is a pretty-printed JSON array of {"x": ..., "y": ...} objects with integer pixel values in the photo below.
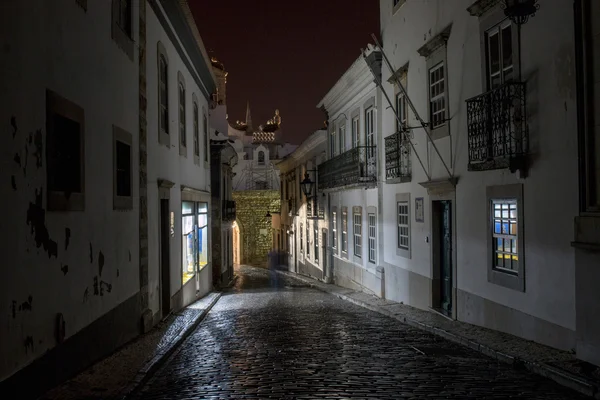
[
  {"x": 494, "y": 53},
  {"x": 188, "y": 247},
  {"x": 513, "y": 228},
  {"x": 187, "y": 207},
  {"x": 202, "y": 246},
  {"x": 202, "y": 207},
  {"x": 507, "y": 52}
]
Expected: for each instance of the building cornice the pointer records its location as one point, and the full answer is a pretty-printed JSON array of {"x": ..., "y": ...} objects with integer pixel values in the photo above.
[
  {"x": 304, "y": 151},
  {"x": 176, "y": 19},
  {"x": 480, "y": 7},
  {"x": 436, "y": 42}
]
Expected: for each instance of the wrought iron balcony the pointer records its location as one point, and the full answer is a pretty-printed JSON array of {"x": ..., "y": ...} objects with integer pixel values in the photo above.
[
  {"x": 497, "y": 128},
  {"x": 357, "y": 166},
  {"x": 397, "y": 158},
  {"x": 229, "y": 210}
]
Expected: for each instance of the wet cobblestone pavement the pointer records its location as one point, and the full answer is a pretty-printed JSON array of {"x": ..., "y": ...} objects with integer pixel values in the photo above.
[{"x": 293, "y": 342}]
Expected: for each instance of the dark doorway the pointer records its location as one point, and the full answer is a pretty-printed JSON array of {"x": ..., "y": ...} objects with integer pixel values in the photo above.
[
  {"x": 165, "y": 269},
  {"x": 442, "y": 255}
]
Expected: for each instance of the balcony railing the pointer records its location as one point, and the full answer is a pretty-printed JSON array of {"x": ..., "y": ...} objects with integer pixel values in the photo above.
[
  {"x": 397, "y": 158},
  {"x": 497, "y": 128},
  {"x": 353, "y": 167},
  {"x": 229, "y": 210}
]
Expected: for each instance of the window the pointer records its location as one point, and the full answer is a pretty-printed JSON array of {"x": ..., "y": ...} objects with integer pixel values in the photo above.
[
  {"x": 332, "y": 144},
  {"x": 122, "y": 25},
  {"x": 261, "y": 157},
  {"x": 182, "y": 127},
  {"x": 334, "y": 230},
  {"x": 206, "y": 139},
  {"x": 316, "y": 240},
  {"x": 65, "y": 163},
  {"x": 370, "y": 131},
  {"x": 499, "y": 54},
  {"x": 122, "y": 167},
  {"x": 355, "y": 132},
  {"x": 372, "y": 237},
  {"x": 194, "y": 229},
  {"x": 163, "y": 96},
  {"x": 307, "y": 240},
  {"x": 437, "y": 96},
  {"x": 401, "y": 112},
  {"x": 301, "y": 230},
  {"x": 403, "y": 225},
  {"x": 344, "y": 230},
  {"x": 505, "y": 237},
  {"x": 342, "y": 135},
  {"x": 357, "y": 216},
  {"x": 196, "y": 133}
]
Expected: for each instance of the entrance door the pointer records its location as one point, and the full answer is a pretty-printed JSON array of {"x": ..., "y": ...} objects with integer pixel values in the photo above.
[
  {"x": 445, "y": 254},
  {"x": 165, "y": 269}
]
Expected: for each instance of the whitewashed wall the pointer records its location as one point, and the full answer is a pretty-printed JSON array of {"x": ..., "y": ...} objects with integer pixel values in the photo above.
[
  {"x": 90, "y": 70},
  {"x": 545, "y": 311}
]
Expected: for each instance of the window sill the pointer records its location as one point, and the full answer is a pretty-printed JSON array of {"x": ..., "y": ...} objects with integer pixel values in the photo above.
[
  {"x": 57, "y": 201},
  {"x": 122, "y": 203},
  {"x": 122, "y": 40},
  {"x": 405, "y": 253}
]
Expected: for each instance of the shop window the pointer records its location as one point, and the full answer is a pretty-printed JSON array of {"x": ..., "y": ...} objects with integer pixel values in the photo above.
[{"x": 194, "y": 228}]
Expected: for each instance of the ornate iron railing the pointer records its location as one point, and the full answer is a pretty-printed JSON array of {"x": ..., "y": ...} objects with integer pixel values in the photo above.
[
  {"x": 229, "y": 210},
  {"x": 355, "y": 166},
  {"x": 397, "y": 158},
  {"x": 497, "y": 128}
]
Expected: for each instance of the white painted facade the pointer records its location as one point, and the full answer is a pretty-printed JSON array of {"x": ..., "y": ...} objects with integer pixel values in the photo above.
[
  {"x": 82, "y": 262},
  {"x": 539, "y": 302},
  {"x": 300, "y": 234},
  {"x": 353, "y": 99},
  {"x": 176, "y": 174}
]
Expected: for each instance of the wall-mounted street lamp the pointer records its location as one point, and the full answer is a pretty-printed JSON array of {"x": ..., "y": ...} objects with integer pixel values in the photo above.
[
  {"x": 307, "y": 185},
  {"x": 268, "y": 215},
  {"x": 519, "y": 11}
]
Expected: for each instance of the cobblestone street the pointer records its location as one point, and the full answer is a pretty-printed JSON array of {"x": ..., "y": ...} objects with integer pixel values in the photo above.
[{"x": 280, "y": 339}]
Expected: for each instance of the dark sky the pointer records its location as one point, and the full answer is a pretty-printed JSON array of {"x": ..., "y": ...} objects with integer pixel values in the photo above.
[{"x": 284, "y": 54}]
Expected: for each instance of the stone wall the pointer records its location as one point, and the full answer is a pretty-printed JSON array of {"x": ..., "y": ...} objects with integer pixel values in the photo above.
[{"x": 255, "y": 229}]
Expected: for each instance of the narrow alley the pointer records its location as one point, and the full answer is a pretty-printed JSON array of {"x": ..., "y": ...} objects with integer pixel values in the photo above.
[{"x": 285, "y": 340}]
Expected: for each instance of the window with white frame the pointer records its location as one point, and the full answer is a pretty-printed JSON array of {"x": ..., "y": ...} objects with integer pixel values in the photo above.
[
  {"x": 301, "y": 230},
  {"x": 345, "y": 230},
  {"x": 355, "y": 132},
  {"x": 333, "y": 143},
  {"x": 342, "y": 137},
  {"x": 307, "y": 240},
  {"x": 403, "y": 225},
  {"x": 437, "y": 95},
  {"x": 370, "y": 130},
  {"x": 372, "y": 237},
  {"x": 401, "y": 112},
  {"x": 196, "y": 132},
  {"x": 334, "y": 230},
  {"x": 500, "y": 54},
  {"x": 505, "y": 236},
  {"x": 316, "y": 241},
  {"x": 357, "y": 217}
]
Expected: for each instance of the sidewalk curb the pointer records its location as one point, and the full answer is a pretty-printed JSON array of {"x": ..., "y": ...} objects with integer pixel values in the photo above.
[
  {"x": 559, "y": 376},
  {"x": 159, "y": 359}
]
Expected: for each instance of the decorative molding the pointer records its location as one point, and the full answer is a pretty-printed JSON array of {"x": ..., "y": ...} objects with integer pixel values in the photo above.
[
  {"x": 480, "y": 7},
  {"x": 436, "y": 42},
  {"x": 439, "y": 186},
  {"x": 400, "y": 74},
  {"x": 164, "y": 183}
]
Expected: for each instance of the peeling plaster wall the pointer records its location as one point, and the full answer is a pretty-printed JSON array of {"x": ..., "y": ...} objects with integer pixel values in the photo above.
[
  {"x": 81, "y": 264},
  {"x": 550, "y": 190},
  {"x": 256, "y": 233},
  {"x": 167, "y": 163}
]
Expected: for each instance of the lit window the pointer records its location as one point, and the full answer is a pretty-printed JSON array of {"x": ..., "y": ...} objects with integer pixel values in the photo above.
[
  {"x": 505, "y": 236},
  {"x": 372, "y": 237},
  {"x": 437, "y": 95},
  {"x": 403, "y": 225},
  {"x": 194, "y": 229}
]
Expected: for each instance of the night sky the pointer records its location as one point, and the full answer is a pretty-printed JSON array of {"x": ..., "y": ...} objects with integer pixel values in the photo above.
[{"x": 284, "y": 54}]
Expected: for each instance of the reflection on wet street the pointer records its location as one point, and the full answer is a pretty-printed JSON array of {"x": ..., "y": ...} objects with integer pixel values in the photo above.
[{"x": 284, "y": 340}]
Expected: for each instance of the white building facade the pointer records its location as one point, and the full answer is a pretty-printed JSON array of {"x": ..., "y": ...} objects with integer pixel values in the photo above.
[
  {"x": 473, "y": 226},
  {"x": 180, "y": 85},
  {"x": 348, "y": 178},
  {"x": 70, "y": 275},
  {"x": 301, "y": 229}
]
